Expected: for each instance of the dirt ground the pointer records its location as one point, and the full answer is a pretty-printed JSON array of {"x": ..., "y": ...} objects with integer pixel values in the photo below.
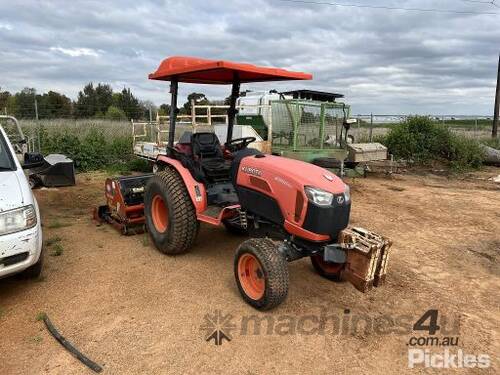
[{"x": 134, "y": 310}]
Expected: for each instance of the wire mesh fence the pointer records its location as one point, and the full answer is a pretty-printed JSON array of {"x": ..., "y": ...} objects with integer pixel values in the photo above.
[
  {"x": 306, "y": 125},
  {"x": 298, "y": 124},
  {"x": 372, "y": 126}
]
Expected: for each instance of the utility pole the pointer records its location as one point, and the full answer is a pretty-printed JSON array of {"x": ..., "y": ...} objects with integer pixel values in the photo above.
[
  {"x": 150, "y": 114},
  {"x": 494, "y": 131}
]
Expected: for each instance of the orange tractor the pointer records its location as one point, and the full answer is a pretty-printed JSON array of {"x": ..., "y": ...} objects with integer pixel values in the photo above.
[{"x": 289, "y": 208}]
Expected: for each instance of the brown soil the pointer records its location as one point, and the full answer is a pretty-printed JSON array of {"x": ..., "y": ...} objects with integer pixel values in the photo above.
[{"x": 135, "y": 310}]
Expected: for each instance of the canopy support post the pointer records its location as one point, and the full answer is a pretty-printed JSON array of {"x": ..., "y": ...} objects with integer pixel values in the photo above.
[
  {"x": 174, "y": 86},
  {"x": 235, "y": 93}
]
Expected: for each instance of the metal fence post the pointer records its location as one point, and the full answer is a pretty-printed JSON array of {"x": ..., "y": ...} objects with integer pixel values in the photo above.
[
  {"x": 296, "y": 126},
  {"x": 322, "y": 126},
  {"x": 371, "y": 127},
  {"x": 193, "y": 114},
  {"x": 358, "y": 122}
]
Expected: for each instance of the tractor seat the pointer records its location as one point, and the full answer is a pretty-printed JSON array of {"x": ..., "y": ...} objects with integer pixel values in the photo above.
[{"x": 207, "y": 152}]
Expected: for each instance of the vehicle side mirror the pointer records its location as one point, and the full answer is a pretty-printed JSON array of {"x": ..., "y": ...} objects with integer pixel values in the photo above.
[{"x": 33, "y": 160}]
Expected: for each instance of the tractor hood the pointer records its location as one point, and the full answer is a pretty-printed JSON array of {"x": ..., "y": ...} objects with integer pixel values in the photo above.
[
  {"x": 290, "y": 173},
  {"x": 274, "y": 187}
]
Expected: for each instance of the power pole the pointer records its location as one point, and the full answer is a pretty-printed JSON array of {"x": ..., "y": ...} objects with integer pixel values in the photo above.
[{"x": 494, "y": 131}]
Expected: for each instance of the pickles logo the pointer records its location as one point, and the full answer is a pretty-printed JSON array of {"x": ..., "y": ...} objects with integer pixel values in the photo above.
[{"x": 217, "y": 327}]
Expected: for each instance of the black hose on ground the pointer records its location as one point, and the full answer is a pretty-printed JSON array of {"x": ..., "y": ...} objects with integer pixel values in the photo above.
[{"x": 69, "y": 347}]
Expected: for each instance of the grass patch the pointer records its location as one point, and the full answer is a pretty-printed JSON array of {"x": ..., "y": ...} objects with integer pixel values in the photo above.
[
  {"x": 52, "y": 240},
  {"x": 37, "y": 339},
  {"x": 40, "y": 316},
  {"x": 126, "y": 168},
  {"x": 57, "y": 250},
  {"x": 145, "y": 239},
  {"x": 58, "y": 224},
  {"x": 2, "y": 312},
  {"x": 492, "y": 142}
]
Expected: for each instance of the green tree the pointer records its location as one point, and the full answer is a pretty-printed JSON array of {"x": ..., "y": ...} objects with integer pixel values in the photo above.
[
  {"x": 86, "y": 103},
  {"x": 4, "y": 99},
  {"x": 104, "y": 97},
  {"x": 115, "y": 113},
  {"x": 198, "y": 98},
  {"x": 164, "y": 110},
  {"x": 54, "y": 105},
  {"x": 25, "y": 103},
  {"x": 129, "y": 104}
]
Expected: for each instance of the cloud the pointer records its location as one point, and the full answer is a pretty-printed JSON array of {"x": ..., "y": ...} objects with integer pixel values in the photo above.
[
  {"x": 383, "y": 61},
  {"x": 5, "y": 26},
  {"x": 75, "y": 52}
]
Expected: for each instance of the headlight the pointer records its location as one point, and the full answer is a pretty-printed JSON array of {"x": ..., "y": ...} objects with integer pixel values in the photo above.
[
  {"x": 347, "y": 193},
  {"x": 17, "y": 220},
  {"x": 319, "y": 196}
]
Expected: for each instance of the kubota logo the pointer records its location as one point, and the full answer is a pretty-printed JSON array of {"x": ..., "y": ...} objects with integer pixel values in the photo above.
[{"x": 252, "y": 171}]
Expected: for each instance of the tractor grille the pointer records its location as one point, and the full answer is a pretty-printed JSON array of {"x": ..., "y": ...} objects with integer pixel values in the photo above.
[{"x": 328, "y": 220}]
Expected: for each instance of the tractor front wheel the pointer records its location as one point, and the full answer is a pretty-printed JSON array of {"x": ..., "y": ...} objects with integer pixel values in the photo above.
[
  {"x": 170, "y": 214},
  {"x": 261, "y": 273},
  {"x": 329, "y": 270}
]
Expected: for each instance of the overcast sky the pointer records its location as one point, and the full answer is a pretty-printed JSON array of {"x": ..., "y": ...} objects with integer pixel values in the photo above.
[{"x": 384, "y": 61}]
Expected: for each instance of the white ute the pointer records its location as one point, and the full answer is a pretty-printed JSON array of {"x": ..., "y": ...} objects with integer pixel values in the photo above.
[{"x": 20, "y": 226}]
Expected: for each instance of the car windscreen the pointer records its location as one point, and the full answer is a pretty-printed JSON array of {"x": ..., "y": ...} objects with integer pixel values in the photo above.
[{"x": 6, "y": 162}]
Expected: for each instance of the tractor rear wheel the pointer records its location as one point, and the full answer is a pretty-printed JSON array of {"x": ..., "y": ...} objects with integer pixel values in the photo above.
[
  {"x": 170, "y": 214},
  {"x": 261, "y": 273},
  {"x": 329, "y": 270}
]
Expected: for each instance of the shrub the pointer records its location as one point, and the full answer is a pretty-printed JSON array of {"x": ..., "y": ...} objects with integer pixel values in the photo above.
[
  {"x": 417, "y": 139},
  {"x": 115, "y": 113},
  {"x": 465, "y": 153},
  {"x": 91, "y": 146},
  {"x": 420, "y": 140}
]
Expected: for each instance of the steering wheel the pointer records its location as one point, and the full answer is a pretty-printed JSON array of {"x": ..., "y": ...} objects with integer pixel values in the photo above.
[{"x": 238, "y": 144}]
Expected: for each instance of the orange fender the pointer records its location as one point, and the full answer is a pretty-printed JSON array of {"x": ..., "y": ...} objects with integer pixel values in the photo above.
[{"x": 195, "y": 189}]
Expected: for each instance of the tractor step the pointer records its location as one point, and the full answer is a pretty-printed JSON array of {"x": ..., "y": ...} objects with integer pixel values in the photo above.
[{"x": 213, "y": 211}]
